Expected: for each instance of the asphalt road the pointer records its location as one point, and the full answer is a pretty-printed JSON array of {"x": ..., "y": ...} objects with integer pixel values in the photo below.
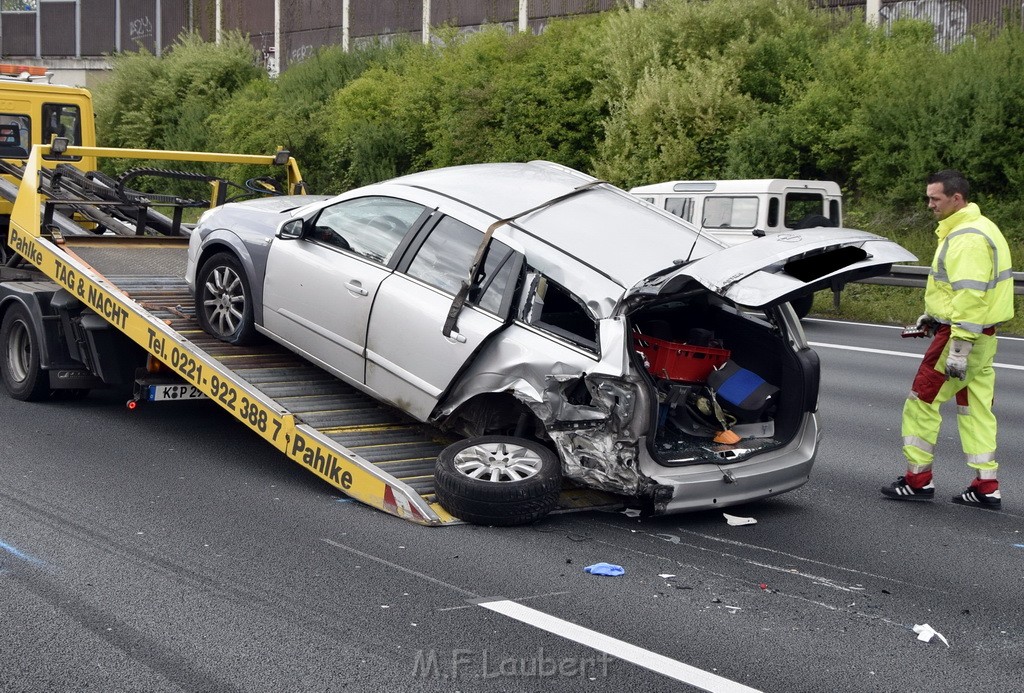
[{"x": 170, "y": 549}]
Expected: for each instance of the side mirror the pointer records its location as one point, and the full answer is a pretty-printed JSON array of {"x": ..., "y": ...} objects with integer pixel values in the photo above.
[{"x": 290, "y": 230}]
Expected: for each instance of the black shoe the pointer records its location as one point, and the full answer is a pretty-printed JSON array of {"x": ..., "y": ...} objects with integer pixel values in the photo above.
[
  {"x": 983, "y": 500},
  {"x": 901, "y": 490}
]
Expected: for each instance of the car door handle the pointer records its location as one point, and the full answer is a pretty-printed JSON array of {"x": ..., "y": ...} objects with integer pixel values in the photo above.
[
  {"x": 357, "y": 288},
  {"x": 457, "y": 336}
]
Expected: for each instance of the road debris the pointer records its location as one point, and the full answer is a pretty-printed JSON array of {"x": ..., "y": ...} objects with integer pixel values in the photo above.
[
  {"x": 736, "y": 521},
  {"x": 926, "y": 633},
  {"x": 609, "y": 569}
]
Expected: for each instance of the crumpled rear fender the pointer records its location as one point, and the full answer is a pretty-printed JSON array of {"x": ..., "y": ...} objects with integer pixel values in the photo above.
[{"x": 594, "y": 410}]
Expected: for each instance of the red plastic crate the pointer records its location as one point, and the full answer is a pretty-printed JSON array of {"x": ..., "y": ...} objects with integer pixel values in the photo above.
[{"x": 677, "y": 361}]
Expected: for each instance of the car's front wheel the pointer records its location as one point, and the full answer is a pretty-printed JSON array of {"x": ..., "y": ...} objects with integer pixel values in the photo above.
[
  {"x": 498, "y": 480},
  {"x": 224, "y": 300}
]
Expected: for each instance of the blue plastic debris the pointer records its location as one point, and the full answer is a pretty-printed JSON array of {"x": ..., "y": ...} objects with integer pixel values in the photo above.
[{"x": 605, "y": 569}]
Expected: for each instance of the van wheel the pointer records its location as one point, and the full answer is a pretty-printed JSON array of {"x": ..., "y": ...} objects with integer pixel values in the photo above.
[
  {"x": 498, "y": 480},
  {"x": 19, "y": 366},
  {"x": 224, "y": 300}
]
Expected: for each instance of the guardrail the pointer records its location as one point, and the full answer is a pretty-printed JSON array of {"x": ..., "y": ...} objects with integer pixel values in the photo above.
[{"x": 916, "y": 276}]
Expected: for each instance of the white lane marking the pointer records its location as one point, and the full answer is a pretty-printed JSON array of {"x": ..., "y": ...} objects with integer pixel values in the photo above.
[
  {"x": 570, "y": 631},
  {"x": 619, "y": 649},
  {"x": 790, "y": 571},
  {"x": 673, "y": 539},
  {"x": 887, "y": 352}
]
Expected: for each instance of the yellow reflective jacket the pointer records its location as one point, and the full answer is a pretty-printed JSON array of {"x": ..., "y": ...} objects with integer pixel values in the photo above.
[{"x": 970, "y": 286}]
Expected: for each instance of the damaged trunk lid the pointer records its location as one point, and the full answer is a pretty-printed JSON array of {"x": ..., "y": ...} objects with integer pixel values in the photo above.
[{"x": 782, "y": 267}]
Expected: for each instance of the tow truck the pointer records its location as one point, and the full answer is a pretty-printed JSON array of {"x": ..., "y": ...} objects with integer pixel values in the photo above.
[{"x": 80, "y": 310}]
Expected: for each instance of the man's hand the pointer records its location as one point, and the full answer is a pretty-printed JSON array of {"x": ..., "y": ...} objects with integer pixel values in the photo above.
[
  {"x": 924, "y": 327},
  {"x": 927, "y": 324},
  {"x": 956, "y": 361}
]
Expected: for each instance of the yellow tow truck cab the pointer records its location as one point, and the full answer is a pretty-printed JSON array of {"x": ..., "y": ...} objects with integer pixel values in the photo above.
[{"x": 34, "y": 111}]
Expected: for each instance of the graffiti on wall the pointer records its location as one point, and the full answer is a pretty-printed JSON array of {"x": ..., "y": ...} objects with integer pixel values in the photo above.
[
  {"x": 949, "y": 17},
  {"x": 140, "y": 28},
  {"x": 300, "y": 53}
]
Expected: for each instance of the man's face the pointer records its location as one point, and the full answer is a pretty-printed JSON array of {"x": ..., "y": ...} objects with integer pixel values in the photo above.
[{"x": 941, "y": 204}]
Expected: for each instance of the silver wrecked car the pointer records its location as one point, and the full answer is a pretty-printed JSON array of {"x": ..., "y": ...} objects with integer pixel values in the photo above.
[{"x": 566, "y": 330}]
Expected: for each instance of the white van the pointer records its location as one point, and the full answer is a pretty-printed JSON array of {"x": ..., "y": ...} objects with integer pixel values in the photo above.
[{"x": 738, "y": 210}]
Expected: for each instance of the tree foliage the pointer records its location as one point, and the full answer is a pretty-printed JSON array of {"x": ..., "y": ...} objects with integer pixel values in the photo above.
[{"x": 680, "y": 89}]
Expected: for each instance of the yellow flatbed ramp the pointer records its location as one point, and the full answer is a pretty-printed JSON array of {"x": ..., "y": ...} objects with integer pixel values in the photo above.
[{"x": 367, "y": 450}]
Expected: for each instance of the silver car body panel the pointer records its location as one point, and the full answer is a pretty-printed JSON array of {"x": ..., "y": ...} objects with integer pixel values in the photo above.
[{"x": 769, "y": 473}]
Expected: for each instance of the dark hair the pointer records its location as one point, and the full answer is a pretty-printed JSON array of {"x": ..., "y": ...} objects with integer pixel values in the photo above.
[{"x": 953, "y": 182}]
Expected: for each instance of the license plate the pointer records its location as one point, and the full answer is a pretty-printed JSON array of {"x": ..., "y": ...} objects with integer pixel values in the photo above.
[{"x": 158, "y": 393}]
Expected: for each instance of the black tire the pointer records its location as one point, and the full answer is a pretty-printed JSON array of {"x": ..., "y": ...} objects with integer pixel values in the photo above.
[
  {"x": 522, "y": 484},
  {"x": 803, "y": 305},
  {"x": 19, "y": 357},
  {"x": 224, "y": 300}
]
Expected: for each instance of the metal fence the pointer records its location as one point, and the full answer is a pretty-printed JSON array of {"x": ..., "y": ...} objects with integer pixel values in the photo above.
[
  {"x": 954, "y": 20},
  {"x": 43, "y": 29}
]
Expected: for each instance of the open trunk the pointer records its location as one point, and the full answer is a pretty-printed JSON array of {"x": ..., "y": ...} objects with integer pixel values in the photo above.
[{"x": 700, "y": 329}]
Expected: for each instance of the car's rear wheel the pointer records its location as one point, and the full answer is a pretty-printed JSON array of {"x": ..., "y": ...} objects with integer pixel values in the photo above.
[
  {"x": 224, "y": 300},
  {"x": 22, "y": 375},
  {"x": 497, "y": 480}
]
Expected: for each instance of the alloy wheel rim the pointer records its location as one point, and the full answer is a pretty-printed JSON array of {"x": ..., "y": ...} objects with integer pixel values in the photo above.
[
  {"x": 224, "y": 300},
  {"x": 498, "y": 462}
]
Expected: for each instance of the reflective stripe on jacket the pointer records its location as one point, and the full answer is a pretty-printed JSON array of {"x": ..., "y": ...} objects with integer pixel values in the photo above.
[{"x": 970, "y": 286}]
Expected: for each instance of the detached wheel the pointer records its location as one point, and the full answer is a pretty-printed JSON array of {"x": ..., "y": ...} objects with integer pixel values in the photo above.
[
  {"x": 224, "y": 300},
  {"x": 19, "y": 367},
  {"x": 498, "y": 480}
]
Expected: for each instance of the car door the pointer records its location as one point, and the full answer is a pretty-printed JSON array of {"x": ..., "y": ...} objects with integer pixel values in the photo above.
[
  {"x": 785, "y": 266},
  {"x": 409, "y": 361},
  {"x": 319, "y": 287}
]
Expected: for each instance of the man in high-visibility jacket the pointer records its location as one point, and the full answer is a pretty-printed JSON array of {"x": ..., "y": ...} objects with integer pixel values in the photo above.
[{"x": 969, "y": 293}]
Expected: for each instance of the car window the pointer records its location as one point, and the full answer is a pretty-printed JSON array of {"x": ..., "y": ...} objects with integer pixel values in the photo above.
[
  {"x": 444, "y": 259},
  {"x": 730, "y": 212},
  {"x": 553, "y": 308},
  {"x": 682, "y": 207},
  {"x": 801, "y": 205},
  {"x": 369, "y": 226}
]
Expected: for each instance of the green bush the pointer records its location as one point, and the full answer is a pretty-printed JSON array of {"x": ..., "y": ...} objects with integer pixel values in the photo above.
[
  {"x": 680, "y": 78},
  {"x": 164, "y": 103},
  {"x": 287, "y": 112},
  {"x": 488, "y": 96}
]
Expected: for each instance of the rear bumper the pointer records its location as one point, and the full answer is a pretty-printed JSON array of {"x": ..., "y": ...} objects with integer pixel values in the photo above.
[{"x": 708, "y": 486}]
